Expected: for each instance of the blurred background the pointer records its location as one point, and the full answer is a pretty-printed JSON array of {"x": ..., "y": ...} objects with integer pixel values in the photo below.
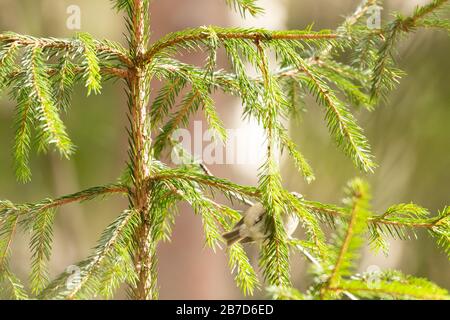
[{"x": 410, "y": 137}]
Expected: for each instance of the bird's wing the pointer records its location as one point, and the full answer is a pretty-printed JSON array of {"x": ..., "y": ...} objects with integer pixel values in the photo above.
[
  {"x": 247, "y": 240},
  {"x": 241, "y": 222}
]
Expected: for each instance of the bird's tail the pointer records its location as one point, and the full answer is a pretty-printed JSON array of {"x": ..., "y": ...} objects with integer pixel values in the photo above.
[{"x": 232, "y": 237}]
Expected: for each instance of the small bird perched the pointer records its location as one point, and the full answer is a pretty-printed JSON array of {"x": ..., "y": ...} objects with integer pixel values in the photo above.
[{"x": 252, "y": 226}]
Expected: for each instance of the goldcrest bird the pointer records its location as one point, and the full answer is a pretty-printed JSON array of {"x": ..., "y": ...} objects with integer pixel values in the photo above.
[{"x": 252, "y": 226}]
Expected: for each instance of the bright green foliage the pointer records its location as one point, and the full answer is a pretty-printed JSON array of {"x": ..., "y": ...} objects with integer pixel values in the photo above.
[
  {"x": 52, "y": 129},
  {"x": 64, "y": 82},
  {"x": 340, "y": 121},
  {"x": 393, "y": 285},
  {"x": 430, "y": 15},
  {"x": 90, "y": 64},
  {"x": 285, "y": 293},
  {"x": 244, "y": 6},
  {"x": 10, "y": 285},
  {"x": 349, "y": 238},
  {"x": 166, "y": 98},
  {"x": 40, "y": 245},
  {"x": 24, "y": 124},
  {"x": 122, "y": 4},
  {"x": 7, "y": 58},
  {"x": 245, "y": 275},
  {"x": 110, "y": 260},
  {"x": 335, "y": 277},
  {"x": 344, "y": 69},
  {"x": 42, "y": 89}
]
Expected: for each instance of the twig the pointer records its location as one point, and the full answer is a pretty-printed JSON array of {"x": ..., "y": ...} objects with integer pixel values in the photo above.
[
  {"x": 316, "y": 262},
  {"x": 233, "y": 194},
  {"x": 223, "y": 33},
  {"x": 75, "y": 197},
  {"x": 60, "y": 44}
]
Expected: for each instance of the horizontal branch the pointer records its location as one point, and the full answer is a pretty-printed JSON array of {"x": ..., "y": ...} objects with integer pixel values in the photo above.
[
  {"x": 202, "y": 33},
  {"x": 337, "y": 212},
  {"x": 114, "y": 71},
  {"x": 351, "y": 20},
  {"x": 237, "y": 192},
  {"x": 38, "y": 42},
  {"x": 205, "y": 180},
  {"x": 224, "y": 80},
  {"x": 234, "y": 195},
  {"x": 86, "y": 195},
  {"x": 60, "y": 44},
  {"x": 350, "y": 235},
  {"x": 6, "y": 248},
  {"x": 410, "y": 22},
  {"x": 390, "y": 292},
  {"x": 81, "y": 196},
  {"x": 360, "y": 12}
]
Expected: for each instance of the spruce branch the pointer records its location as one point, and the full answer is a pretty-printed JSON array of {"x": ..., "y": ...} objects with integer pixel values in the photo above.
[
  {"x": 41, "y": 246},
  {"x": 52, "y": 130},
  {"x": 22, "y": 140},
  {"x": 392, "y": 285},
  {"x": 54, "y": 71},
  {"x": 344, "y": 30},
  {"x": 309, "y": 61},
  {"x": 234, "y": 195},
  {"x": 8, "y": 228},
  {"x": 198, "y": 97},
  {"x": 274, "y": 256},
  {"x": 278, "y": 293},
  {"x": 384, "y": 75},
  {"x": 166, "y": 98},
  {"x": 64, "y": 79},
  {"x": 190, "y": 104},
  {"x": 105, "y": 48},
  {"x": 395, "y": 227},
  {"x": 29, "y": 210},
  {"x": 7, "y": 58},
  {"x": 192, "y": 37},
  {"x": 90, "y": 64},
  {"x": 340, "y": 121},
  {"x": 190, "y": 162},
  {"x": 397, "y": 222},
  {"x": 309, "y": 222},
  {"x": 358, "y": 14},
  {"x": 216, "y": 214},
  {"x": 299, "y": 160},
  {"x": 211, "y": 181},
  {"x": 245, "y": 6},
  {"x": 117, "y": 235},
  {"x": 11, "y": 286},
  {"x": 245, "y": 274},
  {"x": 351, "y": 241},
  {"x": 293, "y": 205}
]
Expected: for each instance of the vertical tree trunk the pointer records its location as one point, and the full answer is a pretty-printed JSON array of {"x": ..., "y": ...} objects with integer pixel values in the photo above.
[{"x": 140, "y": 155}]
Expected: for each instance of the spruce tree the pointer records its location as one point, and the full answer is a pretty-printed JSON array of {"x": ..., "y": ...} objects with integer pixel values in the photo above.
[{"x": 352, "y": 66}]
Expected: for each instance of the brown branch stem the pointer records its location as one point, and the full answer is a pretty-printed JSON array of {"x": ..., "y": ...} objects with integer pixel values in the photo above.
[
  {"x": 224, "y": 34},
  {"x": 60, "y": 44}
]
